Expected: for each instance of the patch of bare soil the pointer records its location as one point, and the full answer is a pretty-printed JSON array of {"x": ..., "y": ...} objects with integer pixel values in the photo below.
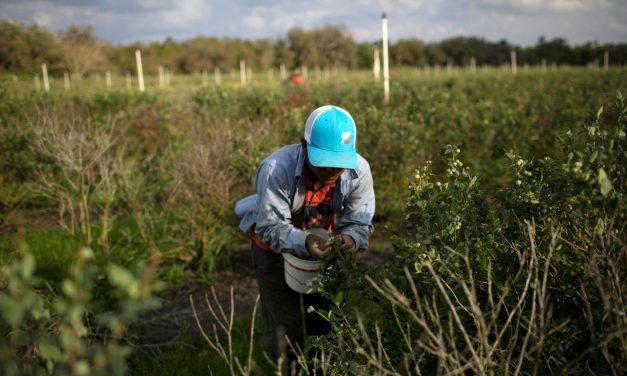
[{"x": 174, "y": 323}]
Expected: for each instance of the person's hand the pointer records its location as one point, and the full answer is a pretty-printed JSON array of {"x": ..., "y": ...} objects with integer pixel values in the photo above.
[
  {"x": 319, "y": 247},
  {"x": 348, "y": 244}
]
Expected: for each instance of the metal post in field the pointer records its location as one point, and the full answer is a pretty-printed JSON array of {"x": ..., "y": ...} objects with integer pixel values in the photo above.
[
  {"x": 606, "y": 60},
  {"x": 66, "y": 81},
  {"x": 386, "y": 67},
  {"x": 140, "y": 70},
  {"x": 216, "y": 75},
  {"x": 168, "y": 77},
  {"x": 242, "y": 72},
  {"x": 108, "y": 79},
  {"x": 161, "y": 77},
  {"x": 376, "y": 66},
  {"x": 283, "y": 72},
  {"x": 44, "y": 72},
  {"x": 513, "y": 61}
]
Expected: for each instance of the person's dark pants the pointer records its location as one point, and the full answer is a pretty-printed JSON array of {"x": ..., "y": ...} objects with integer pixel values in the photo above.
[{"x": 284, "y": 310}]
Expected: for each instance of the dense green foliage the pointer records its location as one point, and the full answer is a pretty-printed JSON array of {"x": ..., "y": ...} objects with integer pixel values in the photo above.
[
  {"x": 531, "y": 279},
  {"x": 127, "y": 175}
]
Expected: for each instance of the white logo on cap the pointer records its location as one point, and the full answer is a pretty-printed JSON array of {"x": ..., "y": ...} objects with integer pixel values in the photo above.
[{"x": 346, "y": 137}]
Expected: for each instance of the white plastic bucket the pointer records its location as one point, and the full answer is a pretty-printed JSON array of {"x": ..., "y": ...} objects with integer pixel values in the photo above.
[{"x": 300, "y": 274}]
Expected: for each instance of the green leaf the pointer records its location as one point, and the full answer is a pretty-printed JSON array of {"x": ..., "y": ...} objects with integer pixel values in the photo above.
[
  {"x": 604, "y": 183},
  {"x": 50, "y": 351},
  {"x": 120, "y": 277},
  {"x": 599, "y": 112},
  {"x": 594, "y": 156},
  {"x": 11, "y": 310},
  {"x": 339, "y": 297},
  {"x": 472, "y": 181},
  {"x": 28, "y": 266}
]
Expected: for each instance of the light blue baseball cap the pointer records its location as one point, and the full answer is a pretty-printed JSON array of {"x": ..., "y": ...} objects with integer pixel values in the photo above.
[{"x": 330, "y": 134}]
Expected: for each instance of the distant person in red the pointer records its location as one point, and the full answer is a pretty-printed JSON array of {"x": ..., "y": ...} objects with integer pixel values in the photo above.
[{"x": 297, "y": 79}]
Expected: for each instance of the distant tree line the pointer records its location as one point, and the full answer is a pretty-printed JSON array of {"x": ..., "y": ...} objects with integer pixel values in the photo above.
[{"x": 77, "y": 50}]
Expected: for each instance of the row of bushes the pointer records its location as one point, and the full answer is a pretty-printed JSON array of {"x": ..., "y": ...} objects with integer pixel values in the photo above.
[
  {"x": 131, "y": 175},
  {"x": 528, "y": 280}
]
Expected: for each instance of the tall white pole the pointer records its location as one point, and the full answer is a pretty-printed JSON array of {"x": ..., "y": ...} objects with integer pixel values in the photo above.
[
  {"x": 606, "y": 60},
  {"x": 108, "y": 79},
  {"x": 140, "y": 70},
  {"x": 44, "y": 72},
  {"x": 513, "y": 61},
  {"x": 66, "y": 81},
  {"x": 305, "y": 73},
  {"x": 242, "y": 72},
  {"x": 376, "y": 67},
  {"x": 283, "y": 73},
  {"x": 386, "y": 68},
  {"x": 216, "y": 75}
]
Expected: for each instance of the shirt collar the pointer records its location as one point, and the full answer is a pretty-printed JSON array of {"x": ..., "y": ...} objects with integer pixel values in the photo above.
[{"x": 300, "y": 162}]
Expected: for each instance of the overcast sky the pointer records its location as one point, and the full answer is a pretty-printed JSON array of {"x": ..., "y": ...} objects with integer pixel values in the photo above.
[{"x": 519, "y": 21}]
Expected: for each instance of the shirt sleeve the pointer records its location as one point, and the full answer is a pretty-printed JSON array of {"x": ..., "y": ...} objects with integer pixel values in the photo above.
[
  {"x": 356, "y": 217},
  {"x": 273, "y": 223}
]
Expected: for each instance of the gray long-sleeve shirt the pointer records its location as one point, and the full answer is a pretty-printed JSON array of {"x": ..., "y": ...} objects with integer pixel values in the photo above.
[{"x": 280, "y": 187}]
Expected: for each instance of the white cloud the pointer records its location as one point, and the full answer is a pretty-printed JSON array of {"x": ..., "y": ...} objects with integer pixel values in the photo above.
[
  {"x": 254, "y": 21},
  {"x": 185, "y": 12},
  {"x": 546, "y": 5},
  {"x": 42, "y": 19}
]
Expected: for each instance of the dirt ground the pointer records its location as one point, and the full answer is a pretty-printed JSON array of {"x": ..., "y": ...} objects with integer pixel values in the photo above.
[{"x": 174, "y": 323}]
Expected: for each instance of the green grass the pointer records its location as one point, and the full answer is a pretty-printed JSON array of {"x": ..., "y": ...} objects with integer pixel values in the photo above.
[{"x": 54, "y": 251}]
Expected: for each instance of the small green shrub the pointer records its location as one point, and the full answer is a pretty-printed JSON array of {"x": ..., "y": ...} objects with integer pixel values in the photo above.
[{"x": 63, "y": 333}]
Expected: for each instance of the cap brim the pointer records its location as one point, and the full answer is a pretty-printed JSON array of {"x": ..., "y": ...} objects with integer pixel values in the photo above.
[{"x": 336, "y": 159}]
